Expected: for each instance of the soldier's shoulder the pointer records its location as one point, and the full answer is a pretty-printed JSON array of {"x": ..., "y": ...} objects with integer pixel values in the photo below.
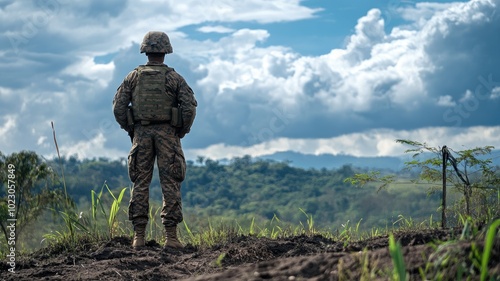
[
  {"x": 172, "y": 74},
  {"x": 131, "y": 75},
  {"x": 170, "y": 69}
]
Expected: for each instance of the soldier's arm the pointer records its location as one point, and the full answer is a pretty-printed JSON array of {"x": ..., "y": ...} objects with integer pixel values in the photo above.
[
  {"x": 188, "y": 105},
  {"x": 122, "y": 99}
]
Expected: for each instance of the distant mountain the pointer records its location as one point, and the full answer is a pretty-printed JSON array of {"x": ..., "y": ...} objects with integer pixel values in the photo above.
[{"x": 328, "y": 161}]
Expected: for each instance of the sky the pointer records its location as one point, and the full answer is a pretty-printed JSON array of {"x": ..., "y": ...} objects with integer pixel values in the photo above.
[{"x": 313, "y": 76}]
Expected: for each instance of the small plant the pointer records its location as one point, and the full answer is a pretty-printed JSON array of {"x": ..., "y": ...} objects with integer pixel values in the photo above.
[
  {"x": 97, "y": 203},
  {"x": 310, "y": 222},
  {"x": 113, "y": 211},
  {"x": 153, "y": 224},
  {"x": 189, "y": 232},
  {"x": 252, "y": 224},
  {"x": 397, "y": 259},
  {"x": 277, "y": 230},
  {"x": 488, "y": 245},
  {"x": 345, "y": 234},
  {"x": 220, "y": 259},
  {"x": 70, "y": 236}
]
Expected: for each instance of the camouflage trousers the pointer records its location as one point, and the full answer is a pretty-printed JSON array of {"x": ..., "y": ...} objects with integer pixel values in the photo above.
[{"x": 156, "y": 142}]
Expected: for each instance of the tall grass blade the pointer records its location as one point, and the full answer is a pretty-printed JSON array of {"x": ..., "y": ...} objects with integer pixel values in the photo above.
[
  {"x": 115, "y": 207},
  {"x": 66, "y": 202},
  {"x": 188, "y": 230},
  {"x": 488, "y": 245},
  {"x": 252, "y": 224},
  {"x": 397, "y": 259}
]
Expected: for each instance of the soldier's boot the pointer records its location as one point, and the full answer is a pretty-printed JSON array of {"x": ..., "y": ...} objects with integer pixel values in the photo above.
[
  {"x": 171, "y": 238},
  {"x": 139, "y": 236}
]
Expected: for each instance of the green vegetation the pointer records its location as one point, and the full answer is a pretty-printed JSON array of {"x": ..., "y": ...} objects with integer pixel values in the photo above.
[
  {"x": 239, "y": 192},
  {"x": 34, "y": 191},
  {"x": 488, "y": 245},
  {"x": 257, "y": 197},
  {"x": 397, "y": 258},
  {"x": 470, "y": 174}
]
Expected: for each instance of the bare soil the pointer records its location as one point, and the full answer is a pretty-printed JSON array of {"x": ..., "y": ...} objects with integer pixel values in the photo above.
[{"x": 250, "y": 258}]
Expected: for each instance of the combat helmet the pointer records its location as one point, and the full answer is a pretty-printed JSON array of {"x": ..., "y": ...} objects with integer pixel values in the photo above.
[{"x": 156, "y": 42}]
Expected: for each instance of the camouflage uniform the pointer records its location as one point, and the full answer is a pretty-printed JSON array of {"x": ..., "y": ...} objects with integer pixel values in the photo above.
[{"x": 160, "y": 141}]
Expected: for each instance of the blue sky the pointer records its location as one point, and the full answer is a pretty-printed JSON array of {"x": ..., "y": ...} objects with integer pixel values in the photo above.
[{"x": 311, "y": 76}]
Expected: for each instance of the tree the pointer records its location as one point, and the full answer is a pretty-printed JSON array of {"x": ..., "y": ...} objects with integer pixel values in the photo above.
[
  {"x": 469, "y": 171},
  {"x": 32, "y": 182}
]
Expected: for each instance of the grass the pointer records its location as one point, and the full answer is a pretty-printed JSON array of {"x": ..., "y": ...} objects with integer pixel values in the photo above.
[
  {"x": 397, "y": 258},
  {"x": 488, "y": 245},
  {"x": 106, "y": 204},
  {"x": 106, "y": 218},
  {"x": 82, "y": 234},
  {"x": 80, "y": 226}
]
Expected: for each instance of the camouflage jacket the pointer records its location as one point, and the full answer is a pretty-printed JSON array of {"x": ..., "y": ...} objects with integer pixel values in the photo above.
[{"x": 174, "y": 83}]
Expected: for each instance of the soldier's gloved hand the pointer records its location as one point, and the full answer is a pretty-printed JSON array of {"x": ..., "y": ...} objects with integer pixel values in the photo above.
[
  {"x": 181, "y": 133},
  {"x": 131, "y": 135}
]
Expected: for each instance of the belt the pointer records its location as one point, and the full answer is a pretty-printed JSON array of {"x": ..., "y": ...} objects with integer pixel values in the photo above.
[{"x": 146, "y": 123}]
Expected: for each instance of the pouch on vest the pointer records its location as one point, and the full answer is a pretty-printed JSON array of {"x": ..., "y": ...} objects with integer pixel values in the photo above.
[{"x": 176, "y": 117}]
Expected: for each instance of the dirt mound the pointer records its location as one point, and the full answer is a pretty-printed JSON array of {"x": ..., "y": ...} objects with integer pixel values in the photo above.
[{"x": 252, "y": 258}]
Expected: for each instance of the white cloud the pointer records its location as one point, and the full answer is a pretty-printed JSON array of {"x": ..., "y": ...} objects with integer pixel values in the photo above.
[
  {"x": 115, "y": 25},
  {"x": 368, "y": 32},
  {"x": 5, "y": 92},
  {"x": 446, "y": 101},
  {"x": 215, "y": 29},
  {"x": 87, "y": 68},
  {"x": 93, "y": 148},
  {"x": 467, "y": 96},
  {"x": 495, "y": 93},
  {"x": 400, "y": 78},
  {"x": 6, "y": 129},
  {"x": 262, "y": 11},
  {"x": 422, "y": 12},
  {"x": 374, "y": 68},
  {"x": 42, "y": 141},
  {"x": 390, "y": 73},
  {"x": 376, "y": 142}
]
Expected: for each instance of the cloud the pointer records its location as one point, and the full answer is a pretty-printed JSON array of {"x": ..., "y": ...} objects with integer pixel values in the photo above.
[
  {"x": 438, "y": 69},
  {"x": 93, "y": 148},
  {"x": 261, "y": 11},
  {"x": 215, "y": 29},
  {"x": 7, "y": 127},
  {"x": 398, "y": 74},
  {"x": 105, "y": 27},
  {"x": 372, "y": 143},
  {"x": 446, "y": 101},
  {"x": 42, "y": 141},
  {"x": 87, "y": 68},
  {"x": 378, "y": 80},
  {"x": 495, "y": 93},
  {"x": 423, "y": 12}
]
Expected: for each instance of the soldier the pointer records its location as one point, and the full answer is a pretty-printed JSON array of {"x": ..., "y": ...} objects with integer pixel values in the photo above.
[{"x": 156, "y": 106}]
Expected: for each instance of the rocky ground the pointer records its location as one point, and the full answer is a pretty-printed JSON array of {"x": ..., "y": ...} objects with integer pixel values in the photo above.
[{"x": 252, "y": 258}]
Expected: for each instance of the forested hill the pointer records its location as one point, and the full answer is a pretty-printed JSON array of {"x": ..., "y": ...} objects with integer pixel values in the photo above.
[{"x": 246, "y": 188}]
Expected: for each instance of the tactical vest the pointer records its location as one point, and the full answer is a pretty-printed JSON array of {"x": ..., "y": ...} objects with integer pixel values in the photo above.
[{"x": 150, "y": 102}]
